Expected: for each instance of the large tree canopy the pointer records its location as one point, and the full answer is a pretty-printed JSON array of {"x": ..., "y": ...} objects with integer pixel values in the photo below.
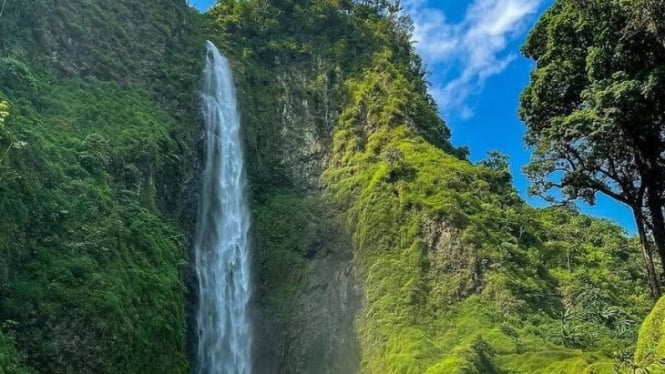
[{"x": 594, "y": 107}]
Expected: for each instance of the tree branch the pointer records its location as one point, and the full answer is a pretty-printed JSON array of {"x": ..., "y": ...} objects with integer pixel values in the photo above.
[{"x": 2, "y": 10}]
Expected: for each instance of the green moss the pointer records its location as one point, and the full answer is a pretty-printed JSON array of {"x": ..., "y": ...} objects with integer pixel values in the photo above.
[
  {"x": 650, "y": 348},
  {"x": 559, "y": 361},
  {"x": 284, "y": 237}
]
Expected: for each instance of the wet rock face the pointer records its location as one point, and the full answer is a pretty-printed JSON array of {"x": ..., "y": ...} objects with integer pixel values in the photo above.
[
  {"x": 452, "y": 260},
  {"x": 306, "y": 295},
  {"x": 306, "y": 119},
  {"x": 289, "y": 122},
  {"x": 319, "y": 337}
]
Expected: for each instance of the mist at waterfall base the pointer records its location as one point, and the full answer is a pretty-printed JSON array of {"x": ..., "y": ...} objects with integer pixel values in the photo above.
[{"x": 221, "y": 246}]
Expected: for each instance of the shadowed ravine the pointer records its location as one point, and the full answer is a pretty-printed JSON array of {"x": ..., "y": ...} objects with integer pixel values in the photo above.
[{"x": 222, "y": 253}]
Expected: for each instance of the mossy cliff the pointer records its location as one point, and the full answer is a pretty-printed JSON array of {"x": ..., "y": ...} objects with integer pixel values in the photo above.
[
  {"x": 96, "y": 159},
  {"x": 458, "y": 274},
  {"x": 362, "y": 207},
  {"x": 378, "y": 248}
]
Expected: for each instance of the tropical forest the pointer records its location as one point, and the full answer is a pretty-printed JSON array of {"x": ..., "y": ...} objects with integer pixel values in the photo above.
[{"x": 276, "y": 187}]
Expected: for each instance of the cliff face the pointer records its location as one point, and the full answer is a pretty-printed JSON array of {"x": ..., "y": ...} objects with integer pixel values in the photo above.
[
  {"x": 377, "y": 247},
  {"x": 306, "y": 295}
]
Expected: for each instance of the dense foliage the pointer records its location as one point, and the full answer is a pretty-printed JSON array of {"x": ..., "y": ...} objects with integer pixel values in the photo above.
[
  {"x": 460, "y": 275},
  {"x": 650, "y": 349},
  {"x": 378, "y": 247},
  {"x": 96, "y": 147},
  {"x": 594, "y": 108}
]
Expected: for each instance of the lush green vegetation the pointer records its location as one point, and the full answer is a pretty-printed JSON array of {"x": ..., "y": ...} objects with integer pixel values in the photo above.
[
  {"x": 650, "y": 349},
  {"x": 10, "y": 359},
  {"x": 96, "y": 142},
  {"x": 378, "y": 247},
  {"x": 593, "y": 109},
  {"x": 460, "y": 275},
  {"x": 93, "y": 276}
]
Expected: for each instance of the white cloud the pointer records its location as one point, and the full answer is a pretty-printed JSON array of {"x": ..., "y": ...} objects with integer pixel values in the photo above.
[{"x": 462, "y": 55}]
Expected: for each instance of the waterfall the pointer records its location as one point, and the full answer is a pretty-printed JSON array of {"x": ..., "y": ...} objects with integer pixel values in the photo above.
[{"x": 221, "y": 247}]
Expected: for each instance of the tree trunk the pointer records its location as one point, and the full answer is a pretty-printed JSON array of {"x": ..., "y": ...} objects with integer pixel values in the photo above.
[
  {"x": 2, "y": 10},
  {"x": 652, "y": 278},
  {"x": 657, "y": 221}
]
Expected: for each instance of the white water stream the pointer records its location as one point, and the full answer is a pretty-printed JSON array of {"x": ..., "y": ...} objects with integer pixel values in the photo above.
[{"x": 222, "y": 245}]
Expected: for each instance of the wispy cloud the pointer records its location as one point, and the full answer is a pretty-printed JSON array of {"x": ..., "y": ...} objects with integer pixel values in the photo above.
[{"x": 461, "y": 55}]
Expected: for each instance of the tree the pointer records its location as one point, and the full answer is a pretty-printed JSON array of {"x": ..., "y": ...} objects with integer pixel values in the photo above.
[
  {"x": 595, "y": 109},
  {"x": 2, "y": 8},
  {"x": 4, "y": 136},
  {"x": 383, "y": 6}
]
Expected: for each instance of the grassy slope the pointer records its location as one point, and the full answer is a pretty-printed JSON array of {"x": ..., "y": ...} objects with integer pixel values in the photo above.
[
  {"x": 10, "y": 359},
  {"x": 94, "y": 280},
  {"x": 516, "y": 289}
]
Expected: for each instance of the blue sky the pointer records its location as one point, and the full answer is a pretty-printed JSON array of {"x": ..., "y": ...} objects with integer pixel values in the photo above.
[
  {"x": 472, "y": 52},
  {"x": 201, "y": 4}
]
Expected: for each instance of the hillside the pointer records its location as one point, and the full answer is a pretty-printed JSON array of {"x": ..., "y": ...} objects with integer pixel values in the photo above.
[{"x": 378, "y": 247}]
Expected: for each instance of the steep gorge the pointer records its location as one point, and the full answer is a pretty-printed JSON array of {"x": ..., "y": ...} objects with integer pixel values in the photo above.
[{"x": 377, "y": 247}]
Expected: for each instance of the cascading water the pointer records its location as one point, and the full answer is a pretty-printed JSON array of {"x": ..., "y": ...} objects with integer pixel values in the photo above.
[{"x": 222, "y": 251}]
